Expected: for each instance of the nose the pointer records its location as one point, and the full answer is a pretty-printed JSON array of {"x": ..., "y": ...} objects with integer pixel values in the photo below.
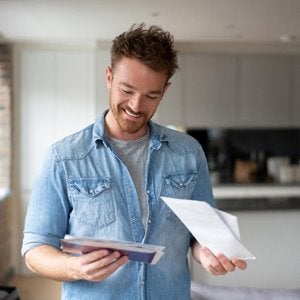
[{"x": 136, "y": 102}]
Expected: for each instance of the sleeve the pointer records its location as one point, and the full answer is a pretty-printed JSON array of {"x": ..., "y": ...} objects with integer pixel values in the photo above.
[{"x": 49, "y": 208}]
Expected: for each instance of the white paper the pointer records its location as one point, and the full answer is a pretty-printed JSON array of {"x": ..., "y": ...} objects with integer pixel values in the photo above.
[{"x": 211, "y": 227}]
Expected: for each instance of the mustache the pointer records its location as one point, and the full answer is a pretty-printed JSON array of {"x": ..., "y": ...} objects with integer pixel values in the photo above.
[{"x": 136, "y": 113}]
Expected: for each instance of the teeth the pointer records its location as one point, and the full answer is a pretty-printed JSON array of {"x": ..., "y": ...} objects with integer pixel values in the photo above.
[{"x": 131, "y": 114}]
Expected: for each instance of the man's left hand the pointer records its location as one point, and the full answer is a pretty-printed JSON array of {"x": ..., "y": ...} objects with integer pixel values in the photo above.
[{"x": 216, "y": 264}]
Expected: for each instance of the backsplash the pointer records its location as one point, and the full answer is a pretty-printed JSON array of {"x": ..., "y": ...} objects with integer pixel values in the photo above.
[{"x": 244, "y": 155}]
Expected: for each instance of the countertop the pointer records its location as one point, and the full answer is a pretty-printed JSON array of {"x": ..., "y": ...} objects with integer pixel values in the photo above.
[
  {"x": 256, "y": 190},
  {"x": 257, "y": 196}
]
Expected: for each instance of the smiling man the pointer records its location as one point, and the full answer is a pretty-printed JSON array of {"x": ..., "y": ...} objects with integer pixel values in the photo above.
[
  {"x": 135, "y": 93},
  {"x": 107, "y": 180}
]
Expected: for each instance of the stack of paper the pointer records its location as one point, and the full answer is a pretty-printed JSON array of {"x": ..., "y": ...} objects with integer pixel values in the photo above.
[
  {"x": 213, "y": 228},
  {"x": 135, "y": 251}
]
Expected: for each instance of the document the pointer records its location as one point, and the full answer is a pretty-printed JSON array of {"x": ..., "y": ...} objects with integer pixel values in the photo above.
[
  {"x": 146, "y": 253},
  {"x": 211, "y": 227}
]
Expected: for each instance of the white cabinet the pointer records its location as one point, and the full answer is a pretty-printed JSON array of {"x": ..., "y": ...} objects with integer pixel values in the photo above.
[
  {"x": 211, "y": 98},
  {"x": 56, "y": 97},
  {"x": 102, "y": 95},
  {"x": 171, "y": 110},
  {"x": 264, "y": 91},
  {"x": 295, "y": 105}
]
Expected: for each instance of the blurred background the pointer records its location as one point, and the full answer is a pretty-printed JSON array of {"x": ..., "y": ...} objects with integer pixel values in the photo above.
[{"x": 237, "y": 92}]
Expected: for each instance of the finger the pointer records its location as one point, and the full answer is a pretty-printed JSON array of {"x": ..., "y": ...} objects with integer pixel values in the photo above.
[
  {"x": 93, "y": 256},
  {"x": 226, "y": 263},
  {"x": 214, "y": 265},
  {"x": 105, "y": 271},
  {"x": 104, "y": 260},
  {"x": 241, "y": 264}
]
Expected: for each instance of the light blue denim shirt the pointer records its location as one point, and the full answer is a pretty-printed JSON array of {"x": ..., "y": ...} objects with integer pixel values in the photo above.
[{"x": 84, "y": 189}]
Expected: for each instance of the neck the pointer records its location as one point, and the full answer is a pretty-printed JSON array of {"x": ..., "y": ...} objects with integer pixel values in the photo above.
[{"x": 112, "y": 129}]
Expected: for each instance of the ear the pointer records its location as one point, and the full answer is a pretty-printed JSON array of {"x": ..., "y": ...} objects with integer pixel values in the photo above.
[{"x": 108, "y": 77}]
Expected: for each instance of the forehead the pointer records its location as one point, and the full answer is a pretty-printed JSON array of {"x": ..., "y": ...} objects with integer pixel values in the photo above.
[{"x": 134, "y": 72}]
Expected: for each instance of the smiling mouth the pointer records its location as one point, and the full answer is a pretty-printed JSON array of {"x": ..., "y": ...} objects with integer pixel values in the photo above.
[{"x": 132, "y": 114}]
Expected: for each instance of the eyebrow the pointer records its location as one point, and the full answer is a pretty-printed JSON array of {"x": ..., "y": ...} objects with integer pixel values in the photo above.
[{"x": 158, "y": 92}]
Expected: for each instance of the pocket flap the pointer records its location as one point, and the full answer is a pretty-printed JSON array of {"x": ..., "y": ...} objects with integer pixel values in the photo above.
[
  {"x": 89, "y": 186},
  {"x": 181, "y": 180}
]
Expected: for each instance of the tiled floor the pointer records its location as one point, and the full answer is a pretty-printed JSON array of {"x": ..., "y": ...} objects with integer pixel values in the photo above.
[{"x": 36, "y": 288}]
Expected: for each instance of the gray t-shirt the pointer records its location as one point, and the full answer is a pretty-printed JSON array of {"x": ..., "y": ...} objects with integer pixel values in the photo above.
[{"x": 134, "y": 156}]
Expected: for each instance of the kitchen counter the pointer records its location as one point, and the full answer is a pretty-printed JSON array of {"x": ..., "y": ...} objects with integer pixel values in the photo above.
[
  {"x": 229, "y": 191},
  {"x": 257, "y": 196}
]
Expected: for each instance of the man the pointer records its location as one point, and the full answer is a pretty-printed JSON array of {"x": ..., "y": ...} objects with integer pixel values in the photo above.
[{"x": 107, "y": 180}]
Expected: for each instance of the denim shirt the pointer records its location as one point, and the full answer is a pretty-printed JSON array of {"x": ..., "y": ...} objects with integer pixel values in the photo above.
[{"x": 84, "y": 189}]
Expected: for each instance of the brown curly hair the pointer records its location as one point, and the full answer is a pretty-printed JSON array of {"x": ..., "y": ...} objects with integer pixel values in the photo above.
[{"x": 153, "y": 46}]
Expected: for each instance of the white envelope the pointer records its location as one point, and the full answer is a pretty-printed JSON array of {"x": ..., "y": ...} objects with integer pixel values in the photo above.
[{"x": 211, "y": 227}]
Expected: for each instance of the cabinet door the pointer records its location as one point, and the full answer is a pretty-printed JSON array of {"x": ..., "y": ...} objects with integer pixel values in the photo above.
[
  {"x": 211, "y": 90},
  {"x": 264, "y": 95},
  {"x": 295, "y": 105},
  {"x": 74, "y": 102},
  {"x": 171, "y": 107},
  {"x": 102, "y": 95},
  {"x": 34, "y": 118},
  {"x": 56, "y": 98}
]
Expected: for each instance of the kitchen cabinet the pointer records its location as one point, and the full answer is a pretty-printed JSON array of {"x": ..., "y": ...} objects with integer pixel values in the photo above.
[
  {"x": 295, "y": 104},
  {"x": 56, "y": 98},
  {"x": 102, "y": 95},
  {"x": 264, "y": 91},
  {"x": 171, "y": 110},
  {"x": 211, "y": 99}
]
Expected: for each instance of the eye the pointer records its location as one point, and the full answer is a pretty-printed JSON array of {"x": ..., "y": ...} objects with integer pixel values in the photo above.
[
  {"x": 128, "y": 92},
  {"x": 152, "y": 97}
]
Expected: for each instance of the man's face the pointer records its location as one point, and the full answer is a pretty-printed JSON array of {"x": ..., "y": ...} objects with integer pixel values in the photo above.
[{"x": 135, "y": 93}]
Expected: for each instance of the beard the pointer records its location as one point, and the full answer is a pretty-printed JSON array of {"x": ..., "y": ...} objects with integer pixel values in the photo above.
[{"x": 128, "y": 120}]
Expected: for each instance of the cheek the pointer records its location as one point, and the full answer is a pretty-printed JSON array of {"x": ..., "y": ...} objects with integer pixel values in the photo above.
[
  {"x": 151, "y": 108},
  {"x": 116, "y": 97}
]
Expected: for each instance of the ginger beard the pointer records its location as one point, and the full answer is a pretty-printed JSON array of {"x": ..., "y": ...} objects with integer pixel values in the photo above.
[{"x": 129, "y": 121}]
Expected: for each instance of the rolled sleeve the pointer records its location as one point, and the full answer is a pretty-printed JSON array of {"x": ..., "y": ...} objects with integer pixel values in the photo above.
[{"x": 48, "y": 210}]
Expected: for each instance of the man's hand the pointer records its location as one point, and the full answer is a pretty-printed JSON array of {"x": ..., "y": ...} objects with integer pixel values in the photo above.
[
  {"x": 96, "y": 265},
  {"x": 57, "y": 265},
  {"x": 216, "y": 265}
]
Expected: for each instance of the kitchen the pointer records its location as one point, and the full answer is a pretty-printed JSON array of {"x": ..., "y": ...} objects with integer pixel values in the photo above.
[{"x": 239, "y": 98}]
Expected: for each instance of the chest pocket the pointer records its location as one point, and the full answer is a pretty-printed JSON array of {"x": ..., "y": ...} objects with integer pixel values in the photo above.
[
  {"x": 180, "y": 185},
  {"x": 92, "y": 201}
]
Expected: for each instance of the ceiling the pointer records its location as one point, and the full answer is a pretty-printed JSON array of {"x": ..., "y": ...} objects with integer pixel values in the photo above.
[{"x": 189, "y": 20}]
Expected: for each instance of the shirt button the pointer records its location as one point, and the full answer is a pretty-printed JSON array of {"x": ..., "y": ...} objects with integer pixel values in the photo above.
[
  {"x": 143, "y": 282},
  {"x": 148, "y": 192},
  {"x": 149, "y": 221}
]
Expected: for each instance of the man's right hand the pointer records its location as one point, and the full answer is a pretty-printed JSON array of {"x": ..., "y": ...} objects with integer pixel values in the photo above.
[
  {"x": 96, "y": 265},
  {"x": 50, "y": 262}
]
